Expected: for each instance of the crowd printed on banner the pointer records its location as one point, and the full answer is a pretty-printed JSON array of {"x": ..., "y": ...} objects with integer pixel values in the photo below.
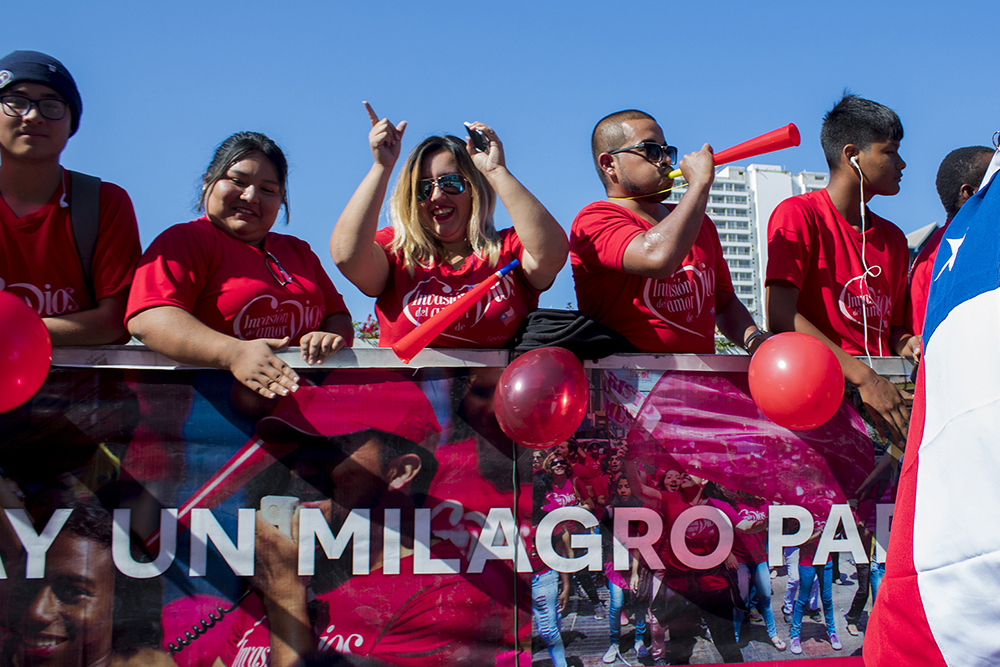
[{"x": 493, "y": 543}]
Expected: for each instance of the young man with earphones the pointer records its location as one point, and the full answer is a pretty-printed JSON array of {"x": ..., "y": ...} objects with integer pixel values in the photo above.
[
  {"x": 836, "y": 270},
  {"x": 69, "y": 244}
]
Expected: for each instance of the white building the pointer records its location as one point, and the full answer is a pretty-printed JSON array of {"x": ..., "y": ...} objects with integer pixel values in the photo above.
[{"x": 740, "y": 204}]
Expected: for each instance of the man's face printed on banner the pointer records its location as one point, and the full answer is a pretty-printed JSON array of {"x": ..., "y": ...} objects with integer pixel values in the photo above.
[{"x": 64, "y": 619}]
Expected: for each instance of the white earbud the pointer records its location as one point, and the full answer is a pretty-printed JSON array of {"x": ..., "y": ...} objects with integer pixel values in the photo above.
[{"x": 854, "y": 161}]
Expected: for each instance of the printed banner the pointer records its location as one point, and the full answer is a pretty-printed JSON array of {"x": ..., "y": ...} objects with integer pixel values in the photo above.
[{"x": 173, "y": 517}]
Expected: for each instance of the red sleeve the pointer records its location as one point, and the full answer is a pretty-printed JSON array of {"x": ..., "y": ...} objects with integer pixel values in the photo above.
[
  {"x": 601, "y": 233},
  {"x": 788, "y": 243},
  {"x": 920, "y": 282},
  {"x": 168, "y": 270},
  {"x": 117, "y": 250},
  {"x": 383, "y": 238}
]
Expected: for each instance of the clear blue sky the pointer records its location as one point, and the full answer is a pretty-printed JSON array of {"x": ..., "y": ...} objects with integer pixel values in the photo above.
[{"x": 164, "y": 83}]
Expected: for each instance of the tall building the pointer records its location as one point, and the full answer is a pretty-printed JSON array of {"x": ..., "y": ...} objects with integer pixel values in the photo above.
[{"x": 740, "y": 204}]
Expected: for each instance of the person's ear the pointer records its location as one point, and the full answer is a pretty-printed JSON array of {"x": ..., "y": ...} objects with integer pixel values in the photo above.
[
  {"x": 849, "y": 156},
  {"x": 965, "y": 192},
  {"x": 402, "y": 470},
  {"x": 606, "y": 161}
]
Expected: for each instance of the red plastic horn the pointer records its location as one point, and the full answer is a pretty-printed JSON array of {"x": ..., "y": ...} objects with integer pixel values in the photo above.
[
  {"x": 775, "y": 140},
  {"x": 407, "y": 347}
]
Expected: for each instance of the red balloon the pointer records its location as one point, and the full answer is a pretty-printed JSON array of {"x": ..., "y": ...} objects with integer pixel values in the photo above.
[
  {"x": 541, "y": 397},
  {"x": 796, "y": 381},
  {"x": 25, "y": 351}
]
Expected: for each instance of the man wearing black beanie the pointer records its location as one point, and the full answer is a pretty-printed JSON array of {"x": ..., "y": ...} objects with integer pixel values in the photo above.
[{"x": 69, "y": 244}]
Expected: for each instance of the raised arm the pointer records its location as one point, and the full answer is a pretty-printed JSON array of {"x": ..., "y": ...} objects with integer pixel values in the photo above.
[
  {"x": 545, "y": 244},
  {"x": 658, "y": 252},
  {"x": 885, "y": 402},
  {"x": 647, "y": 494},
  {"x": 179, "y": 335},
  {"x": 352, "y": 244}
]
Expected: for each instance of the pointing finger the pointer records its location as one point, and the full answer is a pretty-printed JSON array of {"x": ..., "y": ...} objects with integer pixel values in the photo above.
[{"x": 371, "y": 113}]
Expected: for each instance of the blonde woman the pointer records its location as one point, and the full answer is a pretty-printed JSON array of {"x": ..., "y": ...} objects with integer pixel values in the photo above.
[{"x": 442, "y": 240}]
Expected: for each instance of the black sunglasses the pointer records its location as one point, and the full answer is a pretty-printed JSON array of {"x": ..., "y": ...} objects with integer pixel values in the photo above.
[
  {"x": 450, "y": 184},
  {"x": 654, "y": 152},
  {"x": 282, "y": 276}
]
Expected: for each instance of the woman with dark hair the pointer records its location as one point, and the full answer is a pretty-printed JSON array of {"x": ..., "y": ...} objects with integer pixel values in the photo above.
[
  {"x": 442, "y": 240},
  {"x": 225, "y": 291}
]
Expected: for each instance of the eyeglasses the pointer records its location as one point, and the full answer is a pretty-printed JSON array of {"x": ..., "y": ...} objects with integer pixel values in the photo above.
[
  {"x": 18, "y": 106},
  {"x": 558, "y": 463},
  {"x": 450, "y": 184},
  {"x": 654, "y": 152},
  {"x": 282, "y": 276}
]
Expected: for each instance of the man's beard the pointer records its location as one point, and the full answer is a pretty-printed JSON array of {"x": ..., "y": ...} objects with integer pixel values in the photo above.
[{"x": 637, "y": 192}]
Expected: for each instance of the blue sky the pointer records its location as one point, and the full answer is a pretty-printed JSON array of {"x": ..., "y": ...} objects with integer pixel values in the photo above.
[{"x": 164, "y": 83}]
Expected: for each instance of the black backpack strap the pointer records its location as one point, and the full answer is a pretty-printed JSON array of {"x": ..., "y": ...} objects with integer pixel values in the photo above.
[{"x": 84, "y": 213}]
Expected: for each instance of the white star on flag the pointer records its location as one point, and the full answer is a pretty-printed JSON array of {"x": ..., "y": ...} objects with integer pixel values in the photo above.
[{"x": 955, "y": 245}]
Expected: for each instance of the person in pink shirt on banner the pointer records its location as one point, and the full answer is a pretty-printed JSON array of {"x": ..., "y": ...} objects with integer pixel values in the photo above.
[
  {"x": 836, "y": 270},
  {"x": 651, "y": 271},
  {"x": 442, "y": 241},
  {"x": 958, "y": 178},
  {"x": 74, "y": 273},
  {"x": 225, "y": 291}
]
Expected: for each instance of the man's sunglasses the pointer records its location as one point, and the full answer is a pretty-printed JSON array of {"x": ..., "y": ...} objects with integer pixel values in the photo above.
[
  {"x": 450, "y": 184},
  {"x": 654, "y": 152}
]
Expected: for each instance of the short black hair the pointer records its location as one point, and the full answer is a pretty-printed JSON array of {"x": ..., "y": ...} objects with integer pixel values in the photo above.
[
  {"x": 855, "y": 120},
  {"x": 961, "y": 166},
  {"x": 608, "y": 135},
  {"x": 236, "y": 148}
]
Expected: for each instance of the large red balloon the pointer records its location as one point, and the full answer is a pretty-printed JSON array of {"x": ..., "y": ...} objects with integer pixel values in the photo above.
[
  {"x": 541, "y": 397},
  {"x": 25, "y": 351},
  {"x": 796, "y": 381}
]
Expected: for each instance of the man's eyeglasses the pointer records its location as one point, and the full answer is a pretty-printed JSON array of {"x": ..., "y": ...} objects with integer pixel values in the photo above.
[
  {"x": 450, "y": 184},
  {"x": 17, "y": 106},
  {"x": 654, "y": 152},
  {"x": 282, "y": 276}
]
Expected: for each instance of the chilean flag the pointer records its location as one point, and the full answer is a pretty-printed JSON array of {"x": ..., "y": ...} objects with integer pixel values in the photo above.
[{"x": 939, "y": 603}]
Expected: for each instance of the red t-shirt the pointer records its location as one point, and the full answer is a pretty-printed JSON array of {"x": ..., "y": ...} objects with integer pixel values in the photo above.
[
  {"x": 406, "y": 620},
  {"x": 920, "y": 281},
  {"x": 226, "y": 283},
  {"x": 701, "y": 538},
  {"x": 408, "y": 301},
  {"x": 39, "y": 261},
  {"x": 675, "y": 314},
  {"x": 812, "y": 246}
]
